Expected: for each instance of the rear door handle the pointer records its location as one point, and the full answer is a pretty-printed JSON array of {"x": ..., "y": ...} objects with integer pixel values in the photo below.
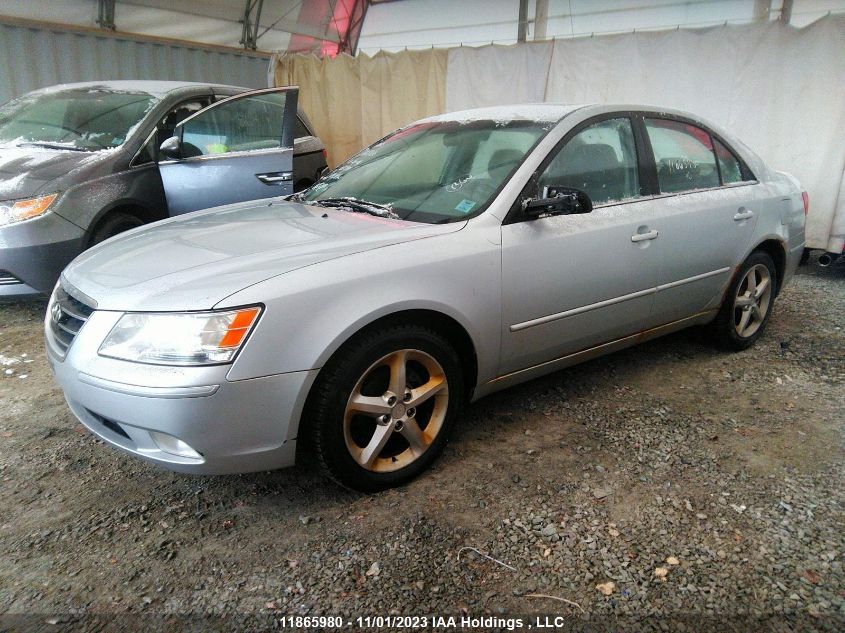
[
  {"x": 275, "y": 177},
  {"x": 641, "y": 237},
  {"x": 743, "y": 214}
]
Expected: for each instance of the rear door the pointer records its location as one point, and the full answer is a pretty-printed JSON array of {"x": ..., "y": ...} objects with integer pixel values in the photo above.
[
  {"x": 237, "y": 149},
  {"x": 709, "y": 204}
]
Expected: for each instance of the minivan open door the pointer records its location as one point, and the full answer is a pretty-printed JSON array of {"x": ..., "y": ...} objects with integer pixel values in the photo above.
[{"x": 237, "y": 149}]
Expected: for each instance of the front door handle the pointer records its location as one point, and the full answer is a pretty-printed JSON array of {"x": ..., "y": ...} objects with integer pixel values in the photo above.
[
  {"x": 641, "y": 237},
  {"x": 743, "y": 214},
  {"x": 275, "y": 177}
]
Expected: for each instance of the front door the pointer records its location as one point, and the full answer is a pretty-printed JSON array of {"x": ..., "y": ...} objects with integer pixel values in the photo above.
[
  {"x": 237, "y": 149},
  {"x": 571, "y": 282}
]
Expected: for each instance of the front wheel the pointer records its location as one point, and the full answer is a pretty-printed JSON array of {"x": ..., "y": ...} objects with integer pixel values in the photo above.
[
  {"x": 114, "y": 223},
  {"x": 382, "y": 411},
  {"x": 748, "y": 303}
]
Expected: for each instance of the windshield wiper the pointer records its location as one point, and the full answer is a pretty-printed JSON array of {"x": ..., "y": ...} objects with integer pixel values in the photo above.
[
  {"x": 358, "y": 206},
  {"x": 71, "y": 148}
]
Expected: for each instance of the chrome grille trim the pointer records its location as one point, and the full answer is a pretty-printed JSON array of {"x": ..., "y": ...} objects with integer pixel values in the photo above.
[{"x": 67, "y": 316}]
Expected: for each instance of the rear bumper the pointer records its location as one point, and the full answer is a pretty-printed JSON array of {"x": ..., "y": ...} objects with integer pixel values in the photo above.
[{"x": 34, "y": 253}]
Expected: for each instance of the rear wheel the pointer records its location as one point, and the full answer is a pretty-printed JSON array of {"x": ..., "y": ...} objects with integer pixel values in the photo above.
[
  {"x": 748, "y": 303},
  {"x": 382, "y": 411},
  {"x": 114, "y": 223}
]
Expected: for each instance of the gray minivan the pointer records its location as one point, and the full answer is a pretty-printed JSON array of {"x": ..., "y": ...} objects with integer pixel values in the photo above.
[{"x": 82, "y": 162}]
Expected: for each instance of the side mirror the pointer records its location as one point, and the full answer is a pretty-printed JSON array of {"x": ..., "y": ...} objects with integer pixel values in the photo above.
[
  {"x": 171, "y": 148},
  {"x": 557, "y": 201}
]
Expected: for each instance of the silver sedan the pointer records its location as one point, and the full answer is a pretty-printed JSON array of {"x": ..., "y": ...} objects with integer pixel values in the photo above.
[{"x": 460, "y": 255}]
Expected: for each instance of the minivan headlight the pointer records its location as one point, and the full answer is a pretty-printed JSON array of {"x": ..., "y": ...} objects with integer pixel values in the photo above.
[
  {"x": 188, "y": 338},
  {"x": 20, "y": 210}
]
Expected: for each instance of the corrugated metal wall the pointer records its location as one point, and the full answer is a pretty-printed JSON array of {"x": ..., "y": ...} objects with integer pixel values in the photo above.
[{"x": 33, "y": 57}]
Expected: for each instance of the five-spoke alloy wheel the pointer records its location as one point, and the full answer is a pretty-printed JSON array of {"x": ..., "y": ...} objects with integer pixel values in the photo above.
[
  {"x": 395, "y": 410},
  {"x": 748, "y": 303},
  {"x": 752, "y": 299},
  {"x": 382, "y": 409}
]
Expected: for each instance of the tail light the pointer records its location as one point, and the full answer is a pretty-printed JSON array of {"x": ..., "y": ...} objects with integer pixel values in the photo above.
[
  {"x": 806, "y": 200},
  {"x": 326, "y": 156}
]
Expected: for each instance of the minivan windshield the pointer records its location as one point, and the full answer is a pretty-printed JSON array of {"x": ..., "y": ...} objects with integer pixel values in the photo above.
[
  {"x": 435, "y": 171},
  {"x": 84, "y": 119}
]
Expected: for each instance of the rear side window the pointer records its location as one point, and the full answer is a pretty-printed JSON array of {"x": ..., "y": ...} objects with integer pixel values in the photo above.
[
  {"x": 600, "y": 160},
  {"x": 683, "y": 154},
  {"x": 729, "y": 165}
]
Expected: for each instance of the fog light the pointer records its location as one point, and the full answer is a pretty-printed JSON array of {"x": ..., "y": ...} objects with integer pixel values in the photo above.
[{"x": 174, "y": 445}]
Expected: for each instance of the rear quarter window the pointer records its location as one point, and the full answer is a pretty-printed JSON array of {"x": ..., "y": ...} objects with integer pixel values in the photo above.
[{"x": 729, "y": 164}]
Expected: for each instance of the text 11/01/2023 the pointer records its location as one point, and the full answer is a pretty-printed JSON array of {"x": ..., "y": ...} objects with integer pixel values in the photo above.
[{"x": 400, "y": 622}]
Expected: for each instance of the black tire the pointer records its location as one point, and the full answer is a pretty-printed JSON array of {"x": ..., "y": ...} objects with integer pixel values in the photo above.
[
  {"x": 114, "y": 223},
  {"x": 805, "y": 257},
  {"x": 724, "y": 326},
  {"x": 325, "y": 430}
]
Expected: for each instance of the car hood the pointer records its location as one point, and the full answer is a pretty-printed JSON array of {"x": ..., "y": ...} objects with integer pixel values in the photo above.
[
  {"x": 26, "y": 171},
  {"x": 194, "y": 261}
]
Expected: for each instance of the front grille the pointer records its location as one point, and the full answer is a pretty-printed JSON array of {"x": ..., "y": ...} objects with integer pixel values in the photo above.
[
  {"x": 8, "y": 279},
  {"x": 67, "y": 316}
]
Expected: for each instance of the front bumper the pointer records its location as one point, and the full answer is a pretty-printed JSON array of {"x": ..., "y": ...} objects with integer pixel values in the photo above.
[
  {"x": 34, "y": 253},
  {"x": 234, "y": 426}
]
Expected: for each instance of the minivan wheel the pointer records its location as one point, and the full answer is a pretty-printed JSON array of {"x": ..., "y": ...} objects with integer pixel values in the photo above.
[
  {"x": 381, "y": 412},
  {"x": 114, "y": 223},
  {"x": 748, "y": 303}
]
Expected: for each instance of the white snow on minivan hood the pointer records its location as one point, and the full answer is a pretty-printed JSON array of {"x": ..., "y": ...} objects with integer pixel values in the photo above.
[{"x": 194, "y": 261}]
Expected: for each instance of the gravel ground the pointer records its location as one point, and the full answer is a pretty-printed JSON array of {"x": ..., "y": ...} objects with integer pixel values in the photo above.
[{"x": 666, "y": 487}]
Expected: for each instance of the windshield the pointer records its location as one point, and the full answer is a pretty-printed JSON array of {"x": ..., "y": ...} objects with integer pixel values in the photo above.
[
  {"x": 436, "y": 171},
  {"x": 82, "y": 119}
]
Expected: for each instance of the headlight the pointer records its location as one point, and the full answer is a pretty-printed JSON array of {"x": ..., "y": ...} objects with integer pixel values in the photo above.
[
  {"x": 20, "y": 210},
  {"x": 189, "y": 338}
]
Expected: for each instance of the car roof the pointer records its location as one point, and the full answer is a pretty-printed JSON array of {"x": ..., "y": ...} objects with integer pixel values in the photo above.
[
  {"x": 549, "y": 112},
  {"x": 554, "y": 112},
  {"x": 155, "y": 88}
]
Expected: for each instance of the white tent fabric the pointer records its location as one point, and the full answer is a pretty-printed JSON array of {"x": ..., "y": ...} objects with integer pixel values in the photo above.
[
  {"x": 779, "y": 89},
  {"x": 354, "y": 101},
  {"x": 496, "y": 75}
]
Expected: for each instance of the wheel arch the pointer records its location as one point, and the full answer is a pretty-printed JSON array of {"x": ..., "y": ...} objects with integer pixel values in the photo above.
[
  {"x": 142, "y": 211},
  {"x": 443, "y": 323},
  {"x": 446, "y": 325},
  {"x": 776, "y": 249}
]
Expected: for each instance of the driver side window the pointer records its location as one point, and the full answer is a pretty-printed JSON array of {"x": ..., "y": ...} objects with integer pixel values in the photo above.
[
  {"x": 166, "y": 128},
  {"x": 600, "y": 160},
  {"x": 241, "y": 125}
]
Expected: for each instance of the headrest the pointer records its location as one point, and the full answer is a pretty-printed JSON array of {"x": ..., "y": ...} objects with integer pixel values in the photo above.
[{"x": 593, "y": 157}]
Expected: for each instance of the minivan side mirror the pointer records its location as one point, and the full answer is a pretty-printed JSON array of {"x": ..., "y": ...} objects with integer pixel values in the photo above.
[
  {"x": 557, "y": 201},
  {"x": 171, "y": 148}
]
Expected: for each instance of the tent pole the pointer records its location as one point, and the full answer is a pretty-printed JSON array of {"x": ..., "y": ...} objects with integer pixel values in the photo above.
[{"x": 522, "y": 30}]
